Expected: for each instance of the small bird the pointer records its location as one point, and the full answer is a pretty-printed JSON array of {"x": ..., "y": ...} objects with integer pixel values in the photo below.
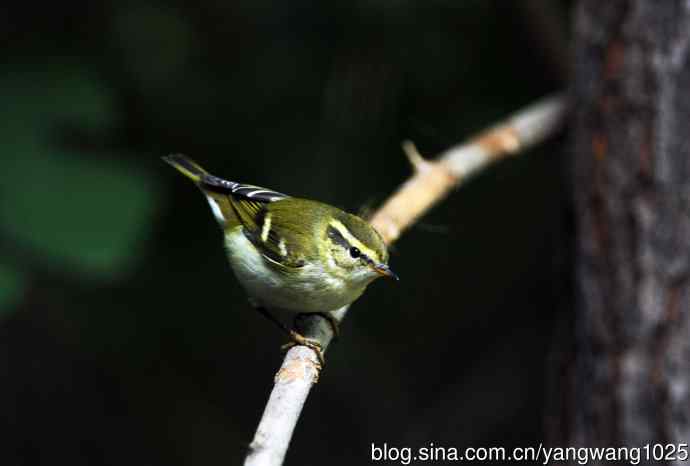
[{"x": 291, "y": 254}]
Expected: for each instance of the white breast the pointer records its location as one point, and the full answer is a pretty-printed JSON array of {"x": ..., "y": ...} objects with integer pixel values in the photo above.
[{"x": 311, "y": 289}]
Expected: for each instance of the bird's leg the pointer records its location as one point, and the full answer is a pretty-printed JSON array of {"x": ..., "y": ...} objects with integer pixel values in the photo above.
[
  {"x": 335, "y": 325},
  {"x": 264, "y": 312},
  {"x": 295, "y": 337},
  {"x": 333, "y": 322}
]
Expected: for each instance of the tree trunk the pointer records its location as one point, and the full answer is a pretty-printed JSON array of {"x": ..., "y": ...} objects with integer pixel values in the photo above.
[{"x": 630, "y": 379}]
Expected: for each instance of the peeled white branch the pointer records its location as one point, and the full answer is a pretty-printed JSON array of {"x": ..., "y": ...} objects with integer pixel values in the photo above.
[{"x": 431, "y": 182}]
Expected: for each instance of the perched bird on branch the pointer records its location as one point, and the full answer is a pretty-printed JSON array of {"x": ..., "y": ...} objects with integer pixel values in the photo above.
[{"x": 291, "y": 254}]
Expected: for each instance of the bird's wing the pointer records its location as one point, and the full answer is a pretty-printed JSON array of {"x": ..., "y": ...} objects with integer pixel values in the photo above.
[
  {"x": 262, "y": 213},
  {"x": 246, "y": 200},
  {"x": 266, "y": 222}
]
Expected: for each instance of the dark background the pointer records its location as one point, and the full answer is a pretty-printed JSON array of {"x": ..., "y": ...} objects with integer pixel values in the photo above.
[{"x": 124, "y": 338}]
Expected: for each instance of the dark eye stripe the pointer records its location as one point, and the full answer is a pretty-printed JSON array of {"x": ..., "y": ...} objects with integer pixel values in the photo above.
[{"x": 338, "y": 238}]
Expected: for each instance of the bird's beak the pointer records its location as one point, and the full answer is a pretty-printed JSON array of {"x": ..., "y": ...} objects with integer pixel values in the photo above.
[{"x": 385, "y": 271}]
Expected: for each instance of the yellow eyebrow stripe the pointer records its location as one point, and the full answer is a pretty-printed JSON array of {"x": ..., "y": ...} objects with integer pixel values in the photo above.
[{"x": 349, "y": 237}]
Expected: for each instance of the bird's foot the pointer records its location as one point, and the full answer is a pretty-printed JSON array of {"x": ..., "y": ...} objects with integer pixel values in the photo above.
[{"x": 298, "y": 339}]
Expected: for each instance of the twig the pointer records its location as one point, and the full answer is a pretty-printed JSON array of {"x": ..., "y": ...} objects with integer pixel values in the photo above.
[{"x": 430, "y": 183}]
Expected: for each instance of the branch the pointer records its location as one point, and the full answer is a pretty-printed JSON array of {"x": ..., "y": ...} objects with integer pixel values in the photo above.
[{"x": 431, "y": 182}]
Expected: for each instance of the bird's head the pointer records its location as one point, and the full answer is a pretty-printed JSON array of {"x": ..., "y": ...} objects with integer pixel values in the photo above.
[{"x": 355, "y": 250}]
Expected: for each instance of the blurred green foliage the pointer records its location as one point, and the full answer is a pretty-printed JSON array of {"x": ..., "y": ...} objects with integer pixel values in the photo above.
[{"x": 87, "y": 212}]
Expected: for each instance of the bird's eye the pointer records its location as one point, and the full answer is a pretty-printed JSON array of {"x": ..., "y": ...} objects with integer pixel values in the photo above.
[{"x": 354, "y": 252}]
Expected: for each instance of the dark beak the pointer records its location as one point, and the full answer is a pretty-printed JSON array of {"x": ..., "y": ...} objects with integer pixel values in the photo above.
[{"x": 385, "y": 271}]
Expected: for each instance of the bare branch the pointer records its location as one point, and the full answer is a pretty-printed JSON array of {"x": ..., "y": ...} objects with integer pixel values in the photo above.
[{"x": 431, "y": 182}]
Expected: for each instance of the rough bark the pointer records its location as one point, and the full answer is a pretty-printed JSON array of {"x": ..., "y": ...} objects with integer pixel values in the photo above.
[{"x": 630, "y": 380}]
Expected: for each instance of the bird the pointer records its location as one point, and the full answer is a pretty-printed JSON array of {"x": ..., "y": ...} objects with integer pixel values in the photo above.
[{"x": 291, "y": 254}]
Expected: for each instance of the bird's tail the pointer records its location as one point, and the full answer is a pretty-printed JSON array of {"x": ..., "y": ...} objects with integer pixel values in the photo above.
[
  {"x": 202, "y": 178},
  {"x": 218, "y": 200},
  {"x": 187, "y": 167}
]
